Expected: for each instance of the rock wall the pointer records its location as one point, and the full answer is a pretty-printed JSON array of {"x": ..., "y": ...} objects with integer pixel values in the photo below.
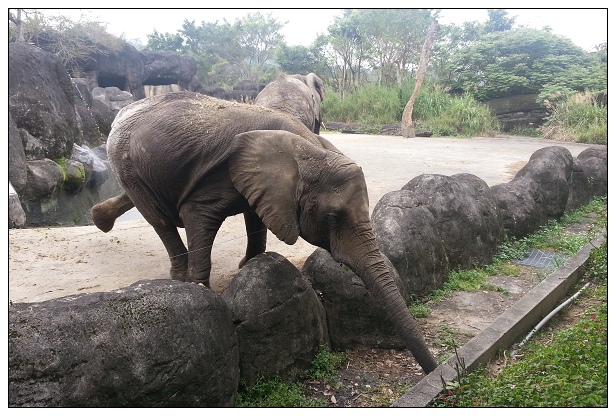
[{"x": 164, "y": 343}]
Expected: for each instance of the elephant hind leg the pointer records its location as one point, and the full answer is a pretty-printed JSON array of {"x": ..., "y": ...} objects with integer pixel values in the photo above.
[
  {"x": 105, "y": 213},
  {"x": 176, "y": 249}
]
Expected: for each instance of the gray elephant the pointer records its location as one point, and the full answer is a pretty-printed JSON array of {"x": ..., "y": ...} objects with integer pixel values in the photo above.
[
  {"x": 298, "y": 95},
  {"x": 189, "y": 160}
]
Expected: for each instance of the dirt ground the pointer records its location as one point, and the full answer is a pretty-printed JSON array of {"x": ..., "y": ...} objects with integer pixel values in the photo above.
[{"x": 47, "y": 263}]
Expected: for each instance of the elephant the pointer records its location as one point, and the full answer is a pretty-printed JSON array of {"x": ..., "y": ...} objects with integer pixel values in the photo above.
[
  {"x": 301, "y": 99},
  {"x": 189, "y": 160}
]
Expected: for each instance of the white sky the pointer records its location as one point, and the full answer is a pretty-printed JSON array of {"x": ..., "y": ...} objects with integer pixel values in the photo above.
[{"x": 585, "y": 27}]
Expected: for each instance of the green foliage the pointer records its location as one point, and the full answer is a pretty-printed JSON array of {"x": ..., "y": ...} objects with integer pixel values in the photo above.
[
  {"x": 523, "y": 61},
  {"x": 296, "y": 59},
  {"x": 597, "y": 266},
  {"x": 325, "y": 364},
  {"x": 371, "y": 104},
  {"x": 569, "y": 371},
  {"x": 419, "y": 310},
  {"x": 275, "y": 393},
  {"x": 434, "y": 109},
  {"x": 576, "y": 117},
  {"x": 463, "y": 117}
]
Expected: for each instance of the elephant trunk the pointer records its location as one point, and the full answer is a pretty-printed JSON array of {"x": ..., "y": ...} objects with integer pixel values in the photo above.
[{"x": 366, "y": 261}]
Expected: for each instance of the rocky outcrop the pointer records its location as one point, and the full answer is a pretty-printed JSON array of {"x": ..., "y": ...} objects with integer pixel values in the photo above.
[
  {"x": 406, "y": 233},
  {"x": 465, "y": 216},
  {"x": 354, "y": 317},
  {"x": 157, "y": 343},
  {"x": 551, "y": 169},
  {"x": 56, "y": 176},
  {"x": 518, "y": 111},
  {"x": 274, "y": 309}
]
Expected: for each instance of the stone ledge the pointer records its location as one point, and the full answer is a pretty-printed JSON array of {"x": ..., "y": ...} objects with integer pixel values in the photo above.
[{"x": 506, "y": 329}]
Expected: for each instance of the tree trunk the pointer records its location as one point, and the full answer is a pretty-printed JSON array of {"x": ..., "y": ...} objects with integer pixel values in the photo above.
[{"x": 407, "y": 122}]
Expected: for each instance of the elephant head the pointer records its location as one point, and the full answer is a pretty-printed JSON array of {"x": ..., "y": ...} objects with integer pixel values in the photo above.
[
  {"x": 299, "y": 189},
  {"x": 298, "y": 95}
]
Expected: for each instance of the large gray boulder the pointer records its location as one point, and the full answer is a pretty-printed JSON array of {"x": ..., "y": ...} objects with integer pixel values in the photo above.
[
  {"x": 594, "y": 162},
  {"x": 166, "y": 68},
  {"x": 406, "y": 233},
  {"x": 18, "y": 174},
  {"x": 42, "y": 98},
  {"x": 520, "y": 202},
  {"x": 159, "y": 343},
  {"x": 279, "y": 319},
  {"x": 466, "y": 216},
  {"x": 17, "y": 216},
  {"x": 551, "y": 167},
  {"x": 354, "y": 317}
]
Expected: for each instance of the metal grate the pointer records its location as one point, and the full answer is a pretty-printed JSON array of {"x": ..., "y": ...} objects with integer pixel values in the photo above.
[{"x": 542, "y": 259}]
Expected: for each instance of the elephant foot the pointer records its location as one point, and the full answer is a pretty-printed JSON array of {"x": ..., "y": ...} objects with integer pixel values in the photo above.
[
  {"x": 242, "y": 262},
  {"x": 101, "y": 218},
  {"x": 181, "y": 275}
]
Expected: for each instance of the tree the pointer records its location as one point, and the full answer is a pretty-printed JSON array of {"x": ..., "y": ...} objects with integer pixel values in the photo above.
[
  {"x": 344, "y": 50},
  {"x": 498, "y": 21},
  {"x": 519, "y": 61},
  {"x": 16, "y": 19},
  {"x": 407, "y": 122},
  {"x": 296, "y": 59},
  {"x": 393, "y": 38},
  {"x": 165, "y": 42}
]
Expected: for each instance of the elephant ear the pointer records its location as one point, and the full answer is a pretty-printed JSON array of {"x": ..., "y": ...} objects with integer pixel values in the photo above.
[
  {"x": 313, "y": 81},
  {"x": 263, "y": 165}
]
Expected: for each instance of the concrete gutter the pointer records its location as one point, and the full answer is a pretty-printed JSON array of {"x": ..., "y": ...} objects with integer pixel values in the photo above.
[{"x": 514, "y": 323}]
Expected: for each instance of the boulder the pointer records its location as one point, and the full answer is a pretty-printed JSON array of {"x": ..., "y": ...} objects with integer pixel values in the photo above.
[
  {"x": 42, "y": 98},
  {"x": 520, "y": 202},
  {"x": 165, "y": 68},
  {"x": 44, "y": 176},
  {"x": 86, "y": 122},
  {"x": 594, "y": 162},
  {"x": 17, "y": 216},
  {"x": 551, "y": 167},
  {"x": 18, "y": 174},
  {"x": 354, "y": 317},
  {"x": 580, "y": 190},
  {"x": 158, "y": 343},
  {"x": 279, "y": 319},
  {"x": 406, "y": 233},
  {"x": 465, "y": 214}
]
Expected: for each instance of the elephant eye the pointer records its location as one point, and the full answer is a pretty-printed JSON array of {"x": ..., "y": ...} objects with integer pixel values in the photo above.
[{"x": 331, "y": 220}]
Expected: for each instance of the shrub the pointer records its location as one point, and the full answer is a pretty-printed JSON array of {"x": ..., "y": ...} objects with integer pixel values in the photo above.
[{"x": 578, "y": 117}]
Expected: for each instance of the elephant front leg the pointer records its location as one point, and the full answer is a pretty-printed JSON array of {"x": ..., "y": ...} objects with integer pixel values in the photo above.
[
  {"x": 176, "y": 249},
  {"x": 257, "y": 236}
]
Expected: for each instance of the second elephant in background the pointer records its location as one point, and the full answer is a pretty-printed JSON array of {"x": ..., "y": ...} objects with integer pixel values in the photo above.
[{"x": 298, "y": 95}]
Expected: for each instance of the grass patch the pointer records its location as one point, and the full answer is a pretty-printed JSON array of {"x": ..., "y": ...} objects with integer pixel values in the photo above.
[
  {"x": 275, "y": 392},
  {"x": 577, "y": 118},
  {"x": 570, "y": 370},
  {"x": 434, "y": 109}
]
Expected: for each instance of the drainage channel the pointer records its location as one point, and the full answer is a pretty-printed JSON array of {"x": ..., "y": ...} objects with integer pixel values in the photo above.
[{"x": 515, "y": 322}]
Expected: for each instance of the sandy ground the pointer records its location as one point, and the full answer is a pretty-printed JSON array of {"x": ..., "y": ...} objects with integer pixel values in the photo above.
[{"x": 46, "y": 263}]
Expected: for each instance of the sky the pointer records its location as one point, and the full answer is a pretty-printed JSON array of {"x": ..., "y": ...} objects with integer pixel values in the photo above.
[{"x": 585, "y": 27}]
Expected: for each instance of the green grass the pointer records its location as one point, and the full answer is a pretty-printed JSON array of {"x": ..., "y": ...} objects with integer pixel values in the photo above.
[
  {"x": 434, "y": 109},
  {"x": 577, "y": 118},
  {"x": 568, "y": 371},
  {"x": 276, "y": 392}
]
